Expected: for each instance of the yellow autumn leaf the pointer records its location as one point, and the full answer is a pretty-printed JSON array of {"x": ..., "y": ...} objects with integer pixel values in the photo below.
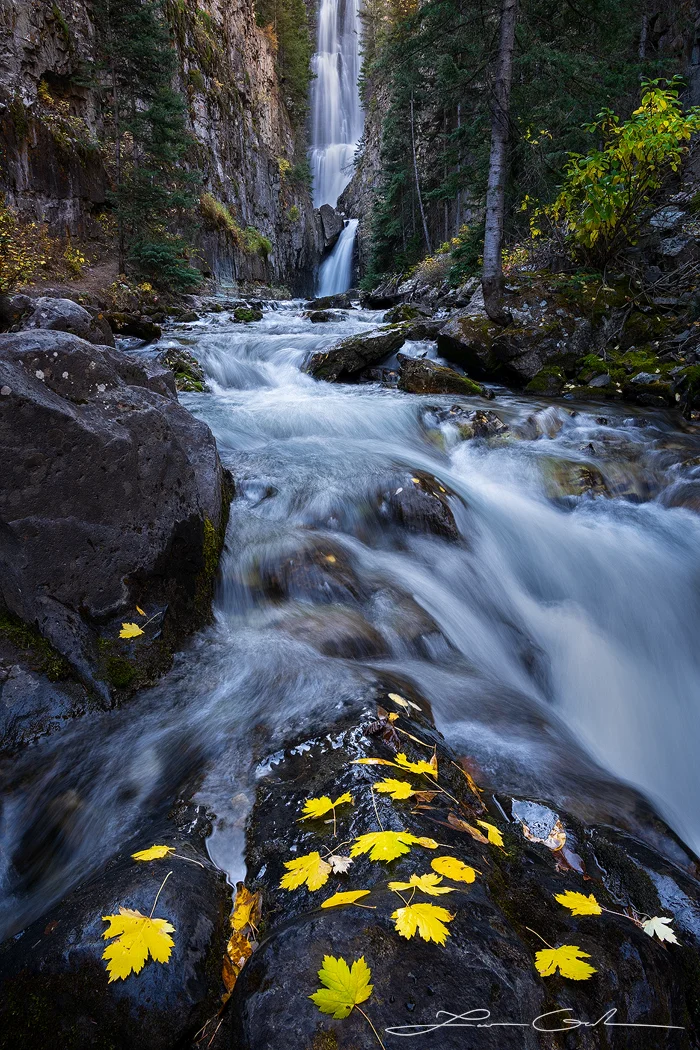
[
  {"x": 347, "y": 897},
  {"x": 318, "y": 807},
  {"x": 154, "y": 853},
  {"x": 493, "y": 834},
  {"x": 140, "y": 611},
  {"x": 386, "y": 845},
  {"x": 392, "y": 716},
  {"x": 246, "y": 908},
  {"x": 310, "y": 869},
  {"x": 578, "y": 903},
  {"x": 130, "y": 630},
  {"x": 398, "y": 789},
  {"x": 137, "y": 936},
  {"x": 402, "y": 702},
  {"x": 238, "y": 951},
  {"x": 418, "y": 767},
  {"x": 568, "y": 959},
  {"x": 453, "y": 869},
  {"x": 344, "y": 986},
  {"x": 426, "y": 919},
  {"x": 429, "y": 884}
]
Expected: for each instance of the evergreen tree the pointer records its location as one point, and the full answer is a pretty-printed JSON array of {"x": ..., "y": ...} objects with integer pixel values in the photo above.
[
  {"x": 288, "y": 25},
  {"x": 152, "y": 191}
]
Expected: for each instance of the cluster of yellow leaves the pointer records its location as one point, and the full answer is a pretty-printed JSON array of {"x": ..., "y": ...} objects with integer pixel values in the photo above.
[
  {"x": 429, "y": 884},
  {"x": 239, "y": 948},
  {"x": 579, "y": 904},
  {"x": 402, "y": 762},
  {"x": 137, "y": 937}
]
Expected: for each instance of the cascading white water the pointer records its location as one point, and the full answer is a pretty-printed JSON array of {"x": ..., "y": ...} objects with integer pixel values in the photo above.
[
  {"x": 336, "y": 125},
  {"x": 336, "y": 271}
]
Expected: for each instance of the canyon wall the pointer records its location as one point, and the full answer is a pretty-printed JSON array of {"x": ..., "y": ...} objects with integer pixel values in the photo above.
[{"x": 54, "y": 168}]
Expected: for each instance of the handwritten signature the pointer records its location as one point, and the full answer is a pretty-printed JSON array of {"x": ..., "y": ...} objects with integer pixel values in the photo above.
[{"x": 552, "y": 1021}]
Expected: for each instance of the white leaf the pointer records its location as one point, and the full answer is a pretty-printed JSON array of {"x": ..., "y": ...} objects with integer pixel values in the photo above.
[
  {"x": 339, "y": 864},
  {"x": 659, "y": 926}
]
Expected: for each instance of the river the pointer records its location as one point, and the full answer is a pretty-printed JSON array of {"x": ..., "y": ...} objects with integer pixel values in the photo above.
[{"x": 556, "y": 641}]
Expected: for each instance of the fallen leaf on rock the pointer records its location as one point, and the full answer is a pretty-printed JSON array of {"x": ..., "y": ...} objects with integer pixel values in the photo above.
[
  {"x": 494, "y": 835},
  {"x": 454, "y": 869},
  {"x": 462, "y": 825},
  {"x": 578, "y": 903},
  {"x": 398, "y": 789},
  {"x": 310, "y": 869},
  {"x": 238, "y": 951},
  {"x": 387, "y": 845},
  {"x": 153, "y": 853},
  {"x": 661, "y": 927},
  {"x": 318, "y": 807},
  {"x": 137, "y": 936},
  {"x": 430, "y": 768},
  {"x": 568, "y": 959},
  {"x": 429, "y": 884},
  {"x": 339, "y": 864},
  {"x": 555, "y": 840},
  {"x": 428, "y": 920},
  {"x": 402, "y": 702},
  {"x": 347, "y": 897},
  {"x": 425, "y": 796},
  {"x": 140, "y": 611},
  {"x": 344, "y": 986},
  {"x": 246, "y": 908},
  {"x": 130, "y": 630}
]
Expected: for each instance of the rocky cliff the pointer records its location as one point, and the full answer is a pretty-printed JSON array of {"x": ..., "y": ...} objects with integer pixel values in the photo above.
[{"x": 52, "y": 166}]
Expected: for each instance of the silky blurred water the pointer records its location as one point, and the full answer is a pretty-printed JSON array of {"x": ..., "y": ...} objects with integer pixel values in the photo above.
[{"x": 556, "y": 642}]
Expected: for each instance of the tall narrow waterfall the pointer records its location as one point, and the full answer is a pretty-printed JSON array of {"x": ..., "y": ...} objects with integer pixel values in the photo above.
[{"x": 336, "y": 123}]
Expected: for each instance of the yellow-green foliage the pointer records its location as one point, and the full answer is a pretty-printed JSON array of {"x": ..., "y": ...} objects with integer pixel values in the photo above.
[
  {"x": 602, "y": 201},
  {"x": 249, "y": 240},
  {"x": 26, "y": 250}
]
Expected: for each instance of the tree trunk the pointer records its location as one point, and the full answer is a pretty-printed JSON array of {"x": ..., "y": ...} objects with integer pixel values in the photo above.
[
  {"x": 492, "y": 274},
  {"x": 415, "y": 171}
]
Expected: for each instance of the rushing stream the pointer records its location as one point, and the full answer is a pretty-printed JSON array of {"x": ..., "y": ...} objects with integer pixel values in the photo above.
[{"x": 561, "y": 632}]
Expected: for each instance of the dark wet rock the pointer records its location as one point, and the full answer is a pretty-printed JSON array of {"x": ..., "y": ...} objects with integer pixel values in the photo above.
[
  {"x": 323, "y": 316},
  {"x": 549, "y": 381},
  {"x": 388, "y": 377},
  {"x": 332, "y": 223},
  {"x": 416, "y": 502},
  {"x": 683, "y": 494},
  {"x": 53, "y": 981},
  {"x": 187, "y": 316},
  {"x": 112, "y": 496},
  {"x": 423, "y": 329},
  {"x": 132, "y": 324},
  {"x": 422, "y": 376},
  {"x": 652, "y": 391},
  {"x": 565, "y": 478},
  {"x": 32, "y": 706},
  {"x": 407, "y": 312},
  {"x": 320, "y": 571},
  {"x": 602, "y": 380},
  {"x": 246, "y": 314},
  {"x": 13, "y": 308},
  {"x": 188, "y": 372},
  {"x": 487, "y": 961},
  {"x": 63, "y": 315},
  {"x": 331, "y": 302},
  {"x": 514, "y": 354},
  {"x": 469, "y": 423},
  {"x": 350, "y": 356}
]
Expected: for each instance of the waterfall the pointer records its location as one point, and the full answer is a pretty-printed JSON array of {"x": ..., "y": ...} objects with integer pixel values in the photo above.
[
  {"x": 335, "y": 274},
  {"x": 336, "y": 123}
]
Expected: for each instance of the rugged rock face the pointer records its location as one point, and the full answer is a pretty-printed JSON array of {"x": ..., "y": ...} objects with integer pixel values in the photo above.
[
  {"x": 113, "y": 496},
  {"x": 352, "y": 355},
  {"x": 63, "y": 315},
  {"x": 52, "y": 167},
  {"x": 487, "y": 961}
]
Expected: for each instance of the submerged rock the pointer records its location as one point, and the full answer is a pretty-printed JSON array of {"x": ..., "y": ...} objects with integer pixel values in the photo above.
[
  {"x": 469, "y": 424},
  {"x": 113, "y": 496},
  {"x": 422, "y": 376},
  {"x": 350, "y": 356}
]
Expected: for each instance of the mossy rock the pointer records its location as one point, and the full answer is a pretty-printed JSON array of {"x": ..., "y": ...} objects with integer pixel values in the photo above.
[
  {"x": 245, "y": 314},
  {"x": 189, "y": 375}
]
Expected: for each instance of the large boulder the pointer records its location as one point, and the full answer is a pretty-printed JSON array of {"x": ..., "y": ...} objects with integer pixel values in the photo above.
[
  {"x": 54, "y": 987},
  {"x": 350, "y": 356},
  {"x": 495, "y": 925},
  {"x": 515, "y": 354},
  {"x": 63, "y": 315},
  {"x": 331, "y": 225},
  {"x": 422, "y": 376},
  {"x": 113, "y": 496}
]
